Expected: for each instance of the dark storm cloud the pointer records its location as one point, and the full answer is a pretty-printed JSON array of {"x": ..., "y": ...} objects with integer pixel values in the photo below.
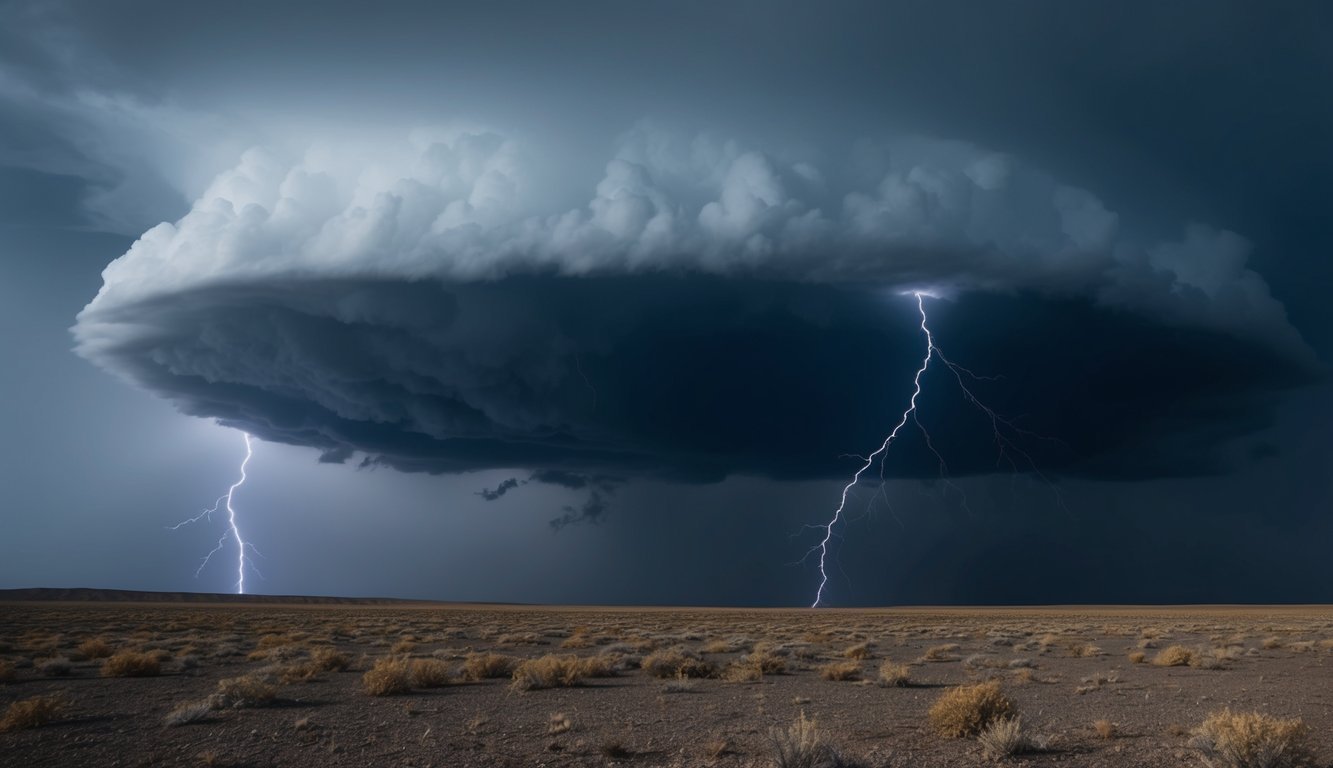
[
  {"x": 505, "y": 486},
  {"x": 687, "y": 304},
  {"x": 591, "y": 511},
  {"x": 697, "y": 377}
]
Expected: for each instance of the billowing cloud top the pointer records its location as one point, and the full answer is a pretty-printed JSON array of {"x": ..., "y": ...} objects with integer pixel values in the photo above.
[{"x": 447, "y": 302}]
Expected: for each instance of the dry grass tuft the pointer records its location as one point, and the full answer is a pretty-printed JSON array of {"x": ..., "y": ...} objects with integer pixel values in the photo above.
[
  {"x": 549, "y": 671},
  {"x": 429, "y": 673},
  {"x": 841, "y": 671},
  {"x": 559, "y": 723},
  {"x": 1104, "y": 728},
  {"x": 1137, "y": 657},
  {"x": 31, "y": 713},
  {"x": 95, "y": 648},
  {"x": 940, "y": 652},
  {"x": 1174, "y": 656},
  {"x": 389, "y": 675},
  {"x": 673, "y": 662},
  {"x": 485, "y": 666},
  {"x": 329, "y": 660},
  {"x": 967, "y": 709},
  {"x": 1003, "y": 737},
  {"x": 742, "y": 672},
  {"x": 131, "y": 664},
  {"x": 802, "y": 746},
  {"x": 1253, "y": 740},
  {"x": 893, "y": 675},
  {"x": 243, "y": 693},
  {"x": 766, "y": 661},
  {"x": 859, "y": 652}
]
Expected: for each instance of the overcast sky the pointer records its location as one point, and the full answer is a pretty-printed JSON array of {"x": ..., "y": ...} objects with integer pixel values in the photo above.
[{"x": 608, "y": 302}]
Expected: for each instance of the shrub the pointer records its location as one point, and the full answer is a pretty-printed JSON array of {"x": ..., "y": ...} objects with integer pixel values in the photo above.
[
  {"x": 940, "y": 652},
  {"x": 1252, "y": 740},
  {"x": 243, "y": 693},
  {"x": 131, "y": 664},
  {"x": 841, "y": 671},
  {"x": 893, "y": 675},
  {"x": 483, "y": 666},
  {"x": 389, "y": 675},
  {"x": 1137, "y": 657},
  {"x": 1174, "y": 656},
  {"x": 674, "y": 662},
  {"x": 802, "y": 746},
  {"x": 967, "y": 709},
  {"x": 766, "y": 661},
  {"x": 299, "y": 672},
  {"x": 742, "y": 672},
  {"x": 549, "y": 671},
  {"x": 1003, "y": 737},
  {"x": 1104, "y": 728},
  {"x": 858, "y": 652},
  {"x": 429, "y": 673},
  {"x": 31, "y": 713},
  {"x": 189, "y": 712},
  {"x": 329, "y": 660},
  {"x": 95, "y": 648}
]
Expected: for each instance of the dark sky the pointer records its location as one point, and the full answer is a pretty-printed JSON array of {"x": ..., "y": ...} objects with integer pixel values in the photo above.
[{"x": 604, "y": 302}]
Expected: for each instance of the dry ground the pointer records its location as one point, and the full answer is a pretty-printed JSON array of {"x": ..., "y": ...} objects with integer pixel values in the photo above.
[{"x": 753, "y": 671}]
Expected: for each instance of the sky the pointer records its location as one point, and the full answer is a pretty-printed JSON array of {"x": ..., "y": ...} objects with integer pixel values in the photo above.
[{"x": 608, "y": 303}]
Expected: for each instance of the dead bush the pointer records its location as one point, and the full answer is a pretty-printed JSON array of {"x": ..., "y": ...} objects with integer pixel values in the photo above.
[
  {"x": 95, "y": 648},
  {"x": 33, "y": 712},
  {"x": 967, "y": 709},
  {"x": 1173, "y": 656},
  {"x": 801, "y": 745},
  {"x": 1004, "y": 737},
  {"x": 243, "y": 693},
  {"x": 131, "y": 664},
  {"x": 484, "y": 666},
  {"x": 673, "y": 662},
  {"x": 389, "y": 675},
  {"x": 549, "y": 671},
  {"x": 893, "y": 675},
  {"x": 841, "y": 671},
  {"x": 1253, "y": 740},
  {"x": 429, "y": 673},
  {"x": 329, "y": 660}
]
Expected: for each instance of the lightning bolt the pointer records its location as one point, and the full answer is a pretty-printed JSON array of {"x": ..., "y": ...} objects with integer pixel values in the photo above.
[
  {"x": 1003, "y": 430},
  {"x": 232, "y": 532}
]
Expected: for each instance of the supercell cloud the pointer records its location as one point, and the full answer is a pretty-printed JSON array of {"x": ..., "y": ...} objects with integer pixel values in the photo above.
[{"x": 448, "y": 302}]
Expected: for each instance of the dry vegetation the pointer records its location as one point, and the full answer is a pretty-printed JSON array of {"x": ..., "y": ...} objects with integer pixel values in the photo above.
[
  {"x": 33, "y": 712},
  {"x": 493, "y": 686},
  {"x": 968, "y": 709},
  {"x": 1253, "y": 740}
]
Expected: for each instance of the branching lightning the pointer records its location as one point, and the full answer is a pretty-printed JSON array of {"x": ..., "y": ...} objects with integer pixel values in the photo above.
[
  {"x": 233, "y": 532},
  {"x": 1002, "y": 428}
]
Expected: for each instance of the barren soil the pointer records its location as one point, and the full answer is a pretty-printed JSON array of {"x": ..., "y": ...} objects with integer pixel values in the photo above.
[{"x": 1063, "y": 668}]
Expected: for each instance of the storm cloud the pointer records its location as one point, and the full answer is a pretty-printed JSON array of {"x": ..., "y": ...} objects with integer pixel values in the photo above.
[{"x": 713, "y": 309}]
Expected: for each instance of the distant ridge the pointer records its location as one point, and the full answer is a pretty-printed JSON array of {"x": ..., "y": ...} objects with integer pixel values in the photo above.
[{"x": 86, "y": 595}]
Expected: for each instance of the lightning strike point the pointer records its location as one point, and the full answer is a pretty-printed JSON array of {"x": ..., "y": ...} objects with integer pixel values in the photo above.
[
  {"x": 233, "y": 531},
  {"x": 1004, "y": 433}
]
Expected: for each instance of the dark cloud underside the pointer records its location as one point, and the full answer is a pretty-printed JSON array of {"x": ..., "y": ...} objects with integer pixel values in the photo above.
[{"x": 690, "y": 377}]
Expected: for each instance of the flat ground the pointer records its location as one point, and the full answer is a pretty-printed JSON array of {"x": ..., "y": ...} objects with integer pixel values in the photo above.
[{"x": 730, "y": 679}]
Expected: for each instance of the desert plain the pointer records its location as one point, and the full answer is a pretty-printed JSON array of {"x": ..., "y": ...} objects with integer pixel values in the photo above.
[{"x": 272, "y": 682}]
